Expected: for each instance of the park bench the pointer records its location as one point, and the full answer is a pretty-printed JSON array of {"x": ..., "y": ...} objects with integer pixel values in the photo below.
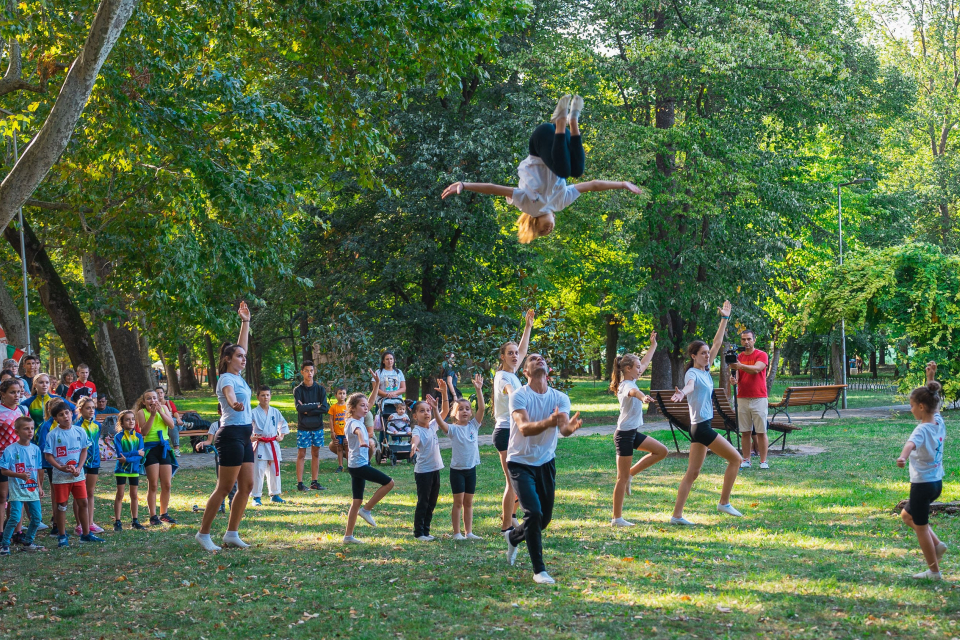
[
  {"x": 827, "y": 396},
  {"x": 678, "y": 415}
]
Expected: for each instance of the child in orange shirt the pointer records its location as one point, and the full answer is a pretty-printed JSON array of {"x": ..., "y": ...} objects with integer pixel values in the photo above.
[{"x": 338, "y": 418}]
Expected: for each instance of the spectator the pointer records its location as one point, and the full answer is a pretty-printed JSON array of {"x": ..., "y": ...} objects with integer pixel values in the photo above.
[
  {"x": 30, "y": 364},
  {"x": 103, "y": 407},
  {"x": 392, "y": 384},
  {"x": 450, "y": 377},
  {"x": 82, "y": 386},
  {"x": 67, "y": 378},
  {"x": 13, "y": 367},
  {"x": 751, "y": 368},
  {"x": 311, "y": 403},
  {"x": 109, "y": 423},
  {"x": 177, "y": 419}
]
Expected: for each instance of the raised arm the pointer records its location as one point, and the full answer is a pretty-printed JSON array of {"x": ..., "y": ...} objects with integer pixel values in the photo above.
[
  {"x": 607, "y": 185},
  {"x": 931, "y": 371},
  {"x": 444, "y": 398},
  {"x": 244, "y": 313},
  {"x": 527, "y": 329},
  {"x": 481, "y": 407},
  {"x": 375, "y": 387},
  {"x": 443, "y": 426},
  {"x": 721, "y": 330},
  {"x": 477, "y": 187},
  {"x": 648, "y": 356}
]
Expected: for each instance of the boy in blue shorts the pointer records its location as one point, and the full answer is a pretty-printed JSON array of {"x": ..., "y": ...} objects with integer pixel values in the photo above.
[{"x": 311, "y": 403}]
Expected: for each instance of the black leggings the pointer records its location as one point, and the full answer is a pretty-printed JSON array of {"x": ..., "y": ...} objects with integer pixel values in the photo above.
[
  {"x": 535, "y": 487},
  {"x": 428, "y": 490},
  {"x": 562, "y": 153}
]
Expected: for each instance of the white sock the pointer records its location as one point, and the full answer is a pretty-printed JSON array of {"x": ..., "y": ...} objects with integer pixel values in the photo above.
[
  {"x": 206, "y": 542},
  {"x": 231, "y": 535}
]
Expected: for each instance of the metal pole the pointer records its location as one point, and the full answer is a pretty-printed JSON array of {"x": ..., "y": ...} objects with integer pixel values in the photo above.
[
  {"x": 843, "y": 324},
  {"x": 23, "y": 262}
]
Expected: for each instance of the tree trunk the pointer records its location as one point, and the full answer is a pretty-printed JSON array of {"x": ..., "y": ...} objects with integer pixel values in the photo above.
[
  {"x": 660, "y": 377},
  {"x": 306, "y": 349},
  {"x": 91, "y": 267},
  {"x": 63, "y": 313},
  {"x": 873, "y": 363},
  {"x": 836, "y": 363},
  {"x": 596, "y": 369},
  {"x": 254, "y": 371},
  {"x": 612, "y": 327},
  {"x": 211, "y": 362},
  {"x": 188, "y": 378},
  {"x": 11, "y": 319},
  {"x": 883, "y": 355},
  {"x": 50, "y": 142},
  {"x": 725, "y": 380},
  {"x": 146, "y": 362},
  {"x": 173, "y": 383},
  {"x": 134, "y": 379},
  {"x": 773, "y": 367}
]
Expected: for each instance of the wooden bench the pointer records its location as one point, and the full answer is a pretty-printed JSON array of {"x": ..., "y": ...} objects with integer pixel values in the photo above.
[
  {"x": 783, "y": 428},
  {"x": 827, "y": 396},
  {"x": 678, "y": 415}
]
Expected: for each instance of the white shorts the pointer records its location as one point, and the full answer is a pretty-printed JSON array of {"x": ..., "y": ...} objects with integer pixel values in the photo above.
[{"x": 752, "y": 415}]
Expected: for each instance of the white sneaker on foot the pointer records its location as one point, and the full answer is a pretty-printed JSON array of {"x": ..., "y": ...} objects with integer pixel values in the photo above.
[
  {"x": 366, "y": 515},
  {"x": 232, "y": 539},
  {"x": 511, "y": 550},
  {"x": 543, "y": 578},
  {"x": 41, "y": 527},
  {"x": 764, "y": 465},
  {"x": 426, "y": 538},
  {"x": 473, "y": 536},
  {"x": 927, "y": 575},
  {"x": 729, "y": 510},
  {"x": 620, "y": 522},
  {"x": 745, "y": 464},
  {"x": 562, "y": 110},
  {"x": 576, "y": 107},
  {"x": 681, "y": 521},
  {"x": 458, "y": 536},
  {"x": 941, "y": 549},
  {"x": 352, "y": 540},
  {"x": 206, "y": 542}
]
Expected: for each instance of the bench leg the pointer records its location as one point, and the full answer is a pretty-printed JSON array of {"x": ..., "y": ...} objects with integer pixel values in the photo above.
[{"x": 674, "y": 434}]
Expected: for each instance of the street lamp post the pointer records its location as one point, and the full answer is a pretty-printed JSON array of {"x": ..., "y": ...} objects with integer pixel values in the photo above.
[{"x": 843, "y": 323}]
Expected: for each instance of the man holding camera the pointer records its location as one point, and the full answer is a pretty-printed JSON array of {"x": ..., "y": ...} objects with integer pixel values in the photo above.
[{"x": 751, "y": 368}]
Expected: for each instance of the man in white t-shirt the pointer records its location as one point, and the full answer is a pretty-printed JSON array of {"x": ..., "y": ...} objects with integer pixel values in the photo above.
[{"x": 538, "y": 415}]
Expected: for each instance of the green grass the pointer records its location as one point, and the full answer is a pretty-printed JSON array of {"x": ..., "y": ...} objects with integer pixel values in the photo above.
[{"x": 818, "y": 554}]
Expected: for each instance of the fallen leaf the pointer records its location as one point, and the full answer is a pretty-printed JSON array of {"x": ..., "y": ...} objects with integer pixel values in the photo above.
[
  {"x": 723, "y": 609},
  {"x": 628, "y": 559},
  {"x": 685, "y": 598},
  {"x": 120, "y": 579}
]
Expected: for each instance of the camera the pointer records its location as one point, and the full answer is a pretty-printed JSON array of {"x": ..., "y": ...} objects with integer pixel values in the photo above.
[{"x": 730, "y": 355}]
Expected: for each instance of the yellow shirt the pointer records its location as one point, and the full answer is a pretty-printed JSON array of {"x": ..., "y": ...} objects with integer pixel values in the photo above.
[{"x": 339, "y": 413}]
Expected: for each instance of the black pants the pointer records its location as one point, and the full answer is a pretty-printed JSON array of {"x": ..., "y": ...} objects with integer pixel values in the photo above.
[
  {"x": 535, "y": 488},
  {"x": 428, "y": 490},
  {"x": 562, "y": 153}
]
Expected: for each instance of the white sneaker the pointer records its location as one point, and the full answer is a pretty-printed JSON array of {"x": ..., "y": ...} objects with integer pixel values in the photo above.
[
  {"x": 764, "y": 465},
  {"x": 630, "y": 486},
  {"x": 41, "y": 527},
  {"x": 366, "y": 515},
  {"x": 458, "y": 536},
  {"x": 927, "y": 575},
  {"x": 941, "y": 550},
  {"x": 745, "y": 464},
  {"x": 473, "y": 536},
  {"x": 576, "y": 107},
  {"x": 234, "y": 542},
  {"x": 729, "y": 510},
  {"x": 352, "y": 540},
  {"x": 543, "y": 578},
  {"x": 206, "y": 542},
  {"x": 511, "y": 550},
  {"x": 563, "y": 108},
  {"x": 426, "y": 538},
  {"x": 620, "y": 522},
  {"x": 681, "y": 521}
]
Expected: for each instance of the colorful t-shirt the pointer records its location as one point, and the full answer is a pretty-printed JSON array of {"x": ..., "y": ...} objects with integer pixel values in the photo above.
[
  {"x": 8, "y": 417},
  {"x": 93, "y": 452},
  {"x": 339, "y": 413},
  {"x": 128, "y": 444},
  {"x": 752, "y": 385},
  {"x": 91, "y": 390},
  {"x": 66, "y": 445},
  {"x": 22, "y": 459}
]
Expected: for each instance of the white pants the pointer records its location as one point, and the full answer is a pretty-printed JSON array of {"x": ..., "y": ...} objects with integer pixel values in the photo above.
[{"x": 265, "y": 468}]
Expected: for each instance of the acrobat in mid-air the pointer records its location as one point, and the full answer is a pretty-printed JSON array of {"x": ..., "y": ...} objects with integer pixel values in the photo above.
[{"x": 555, "y": 155}]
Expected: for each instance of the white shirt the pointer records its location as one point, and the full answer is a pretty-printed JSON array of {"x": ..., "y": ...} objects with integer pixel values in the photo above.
[
  {"x": 231, "y": 417},
  {"x": 66, "y": 445},
  {"x": 390, "y": 380},
  {"x": 926, "y": 461},
  {"x": 269, "y": 424},
  {"x": 465, "y": 444},
  {"x": 501, "y": 399},
  {"x": 540, "y": 191},
  {"x": 700, "y": 400},
  {"x": 631, "y": 409},
  {"x": 428, "y": 451},
  {"x": 359, "y": 453},
  {"x": 539, "y": 449}
]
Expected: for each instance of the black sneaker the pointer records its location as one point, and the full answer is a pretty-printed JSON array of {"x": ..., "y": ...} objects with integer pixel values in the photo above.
[
  {"x": 222, "y": 509},
  {"x": 166, "y": 518},
  {"x": 118, "y": 526},
  {"x": 316, "y": 486},
  {"x": 136, "y": 525},
  {"x": 17, "y": 538},
  {"x": 301, "y": 486},
  {"x": 154, "y": 521}
]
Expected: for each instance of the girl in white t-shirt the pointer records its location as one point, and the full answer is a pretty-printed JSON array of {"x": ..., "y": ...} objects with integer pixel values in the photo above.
[
  {"x": 464, "y": 434},
  {"x": 425, "y": 444},
  {"x": 360, "y": 444},
  {"x": 542, "y": 190},
  {"x": 627, "y": 438}
]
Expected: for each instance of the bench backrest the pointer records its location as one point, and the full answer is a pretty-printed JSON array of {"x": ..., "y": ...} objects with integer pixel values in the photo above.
[
  {"x": 679, "y": 412},
  {"x": 813, "y": 395}
]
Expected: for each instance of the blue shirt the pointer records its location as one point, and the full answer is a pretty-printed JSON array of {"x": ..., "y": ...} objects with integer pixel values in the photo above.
[
  {"x": 20, "y": 459},
  {"x": 232, "y": 417},
  {"x": 700, "y": 399}
]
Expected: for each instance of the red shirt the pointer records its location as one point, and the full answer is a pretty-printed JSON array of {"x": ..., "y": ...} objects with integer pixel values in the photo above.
[
  {"x": 752, "y": 385},
  {"x": 77, "y": 385}
]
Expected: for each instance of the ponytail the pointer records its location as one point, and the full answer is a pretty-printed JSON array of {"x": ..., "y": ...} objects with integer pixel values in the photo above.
[
  {"x": 616, "y": 374},
  {"x": 928, "y": 396}
]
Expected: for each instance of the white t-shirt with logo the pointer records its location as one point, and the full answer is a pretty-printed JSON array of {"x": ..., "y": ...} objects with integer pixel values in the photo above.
[
  {"x": 358, "y": 450},
  {"x": 631, "y": 409},
  {"x": 539, "y": 449},
  {"x": 428, "y": 451},
  {"x": 501, "y": 399},
  {"x": 22, "y": 459},
  {"x": 465, "y": 443},
  {"x": 66, "y": 445}
]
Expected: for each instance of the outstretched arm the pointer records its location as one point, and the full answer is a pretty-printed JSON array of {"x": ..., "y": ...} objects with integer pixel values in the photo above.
[
  {"x": 525, "y": 339},
  {"x": 648, "y": 356},
  {"x": 607, "y": 185},
  {"x": 721, "y": 330},
  {"x": 477, "y": 187},
  {"x": 478, "y": 386},
  {"x": 244, "y": 313}
]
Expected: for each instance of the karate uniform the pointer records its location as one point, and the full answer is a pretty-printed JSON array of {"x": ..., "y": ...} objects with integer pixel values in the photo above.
[{"x": 268, "y": 425}]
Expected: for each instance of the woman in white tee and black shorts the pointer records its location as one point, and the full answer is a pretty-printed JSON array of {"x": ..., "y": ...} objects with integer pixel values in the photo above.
[
  {"x": 506, "y": 382},
  {"x": 698, "y": 390}
]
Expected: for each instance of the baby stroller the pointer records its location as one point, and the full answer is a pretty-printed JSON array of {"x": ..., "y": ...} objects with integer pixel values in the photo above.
[{"x": 392, "y": 447}]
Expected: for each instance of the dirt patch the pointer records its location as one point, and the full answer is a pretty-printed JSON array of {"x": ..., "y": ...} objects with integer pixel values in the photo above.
[{"x": 797, "y": 450}]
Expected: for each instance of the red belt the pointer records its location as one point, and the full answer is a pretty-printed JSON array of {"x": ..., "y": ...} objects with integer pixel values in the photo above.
[{"x": 273, "y": 447}]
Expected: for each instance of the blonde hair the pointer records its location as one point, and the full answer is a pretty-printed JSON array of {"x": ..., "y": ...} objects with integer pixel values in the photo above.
[
  {"x": 141, "y": 403},
  {"x": 354, "y": 401},
  {"x": 37, "y": 377},
  {"x": 530, "y": 228},
  {"x": 124, "y": 414},
  {"x": 616, "y": 376},
  {"x": 85, "y": 400}
]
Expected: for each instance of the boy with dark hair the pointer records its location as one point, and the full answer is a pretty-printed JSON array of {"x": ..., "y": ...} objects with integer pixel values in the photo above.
[
  {"x": 338, "y": 420},
  {"x": 310, "y": 399}
]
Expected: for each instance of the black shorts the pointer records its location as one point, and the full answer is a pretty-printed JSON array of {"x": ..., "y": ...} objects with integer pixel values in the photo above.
[
  {"x": 4, "y": 478},
  {"x": 501, "y": 438},
  {"x": 703, "y": 434},
  {"x": 155, "y": 456},
  {"x": 463, "y": 480},
  {"x": 360, "y": 475},
  {"x": 627, "y": 442},
  {"x": 234, "y": 446},
  {"x": 134, "y": 481},
  {"x": 95, "y": 471},
  {"x": 921, "y": 495}
]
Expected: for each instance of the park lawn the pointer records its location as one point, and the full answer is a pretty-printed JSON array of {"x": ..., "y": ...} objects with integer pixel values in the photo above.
[{"x": 818, "y": 554}]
